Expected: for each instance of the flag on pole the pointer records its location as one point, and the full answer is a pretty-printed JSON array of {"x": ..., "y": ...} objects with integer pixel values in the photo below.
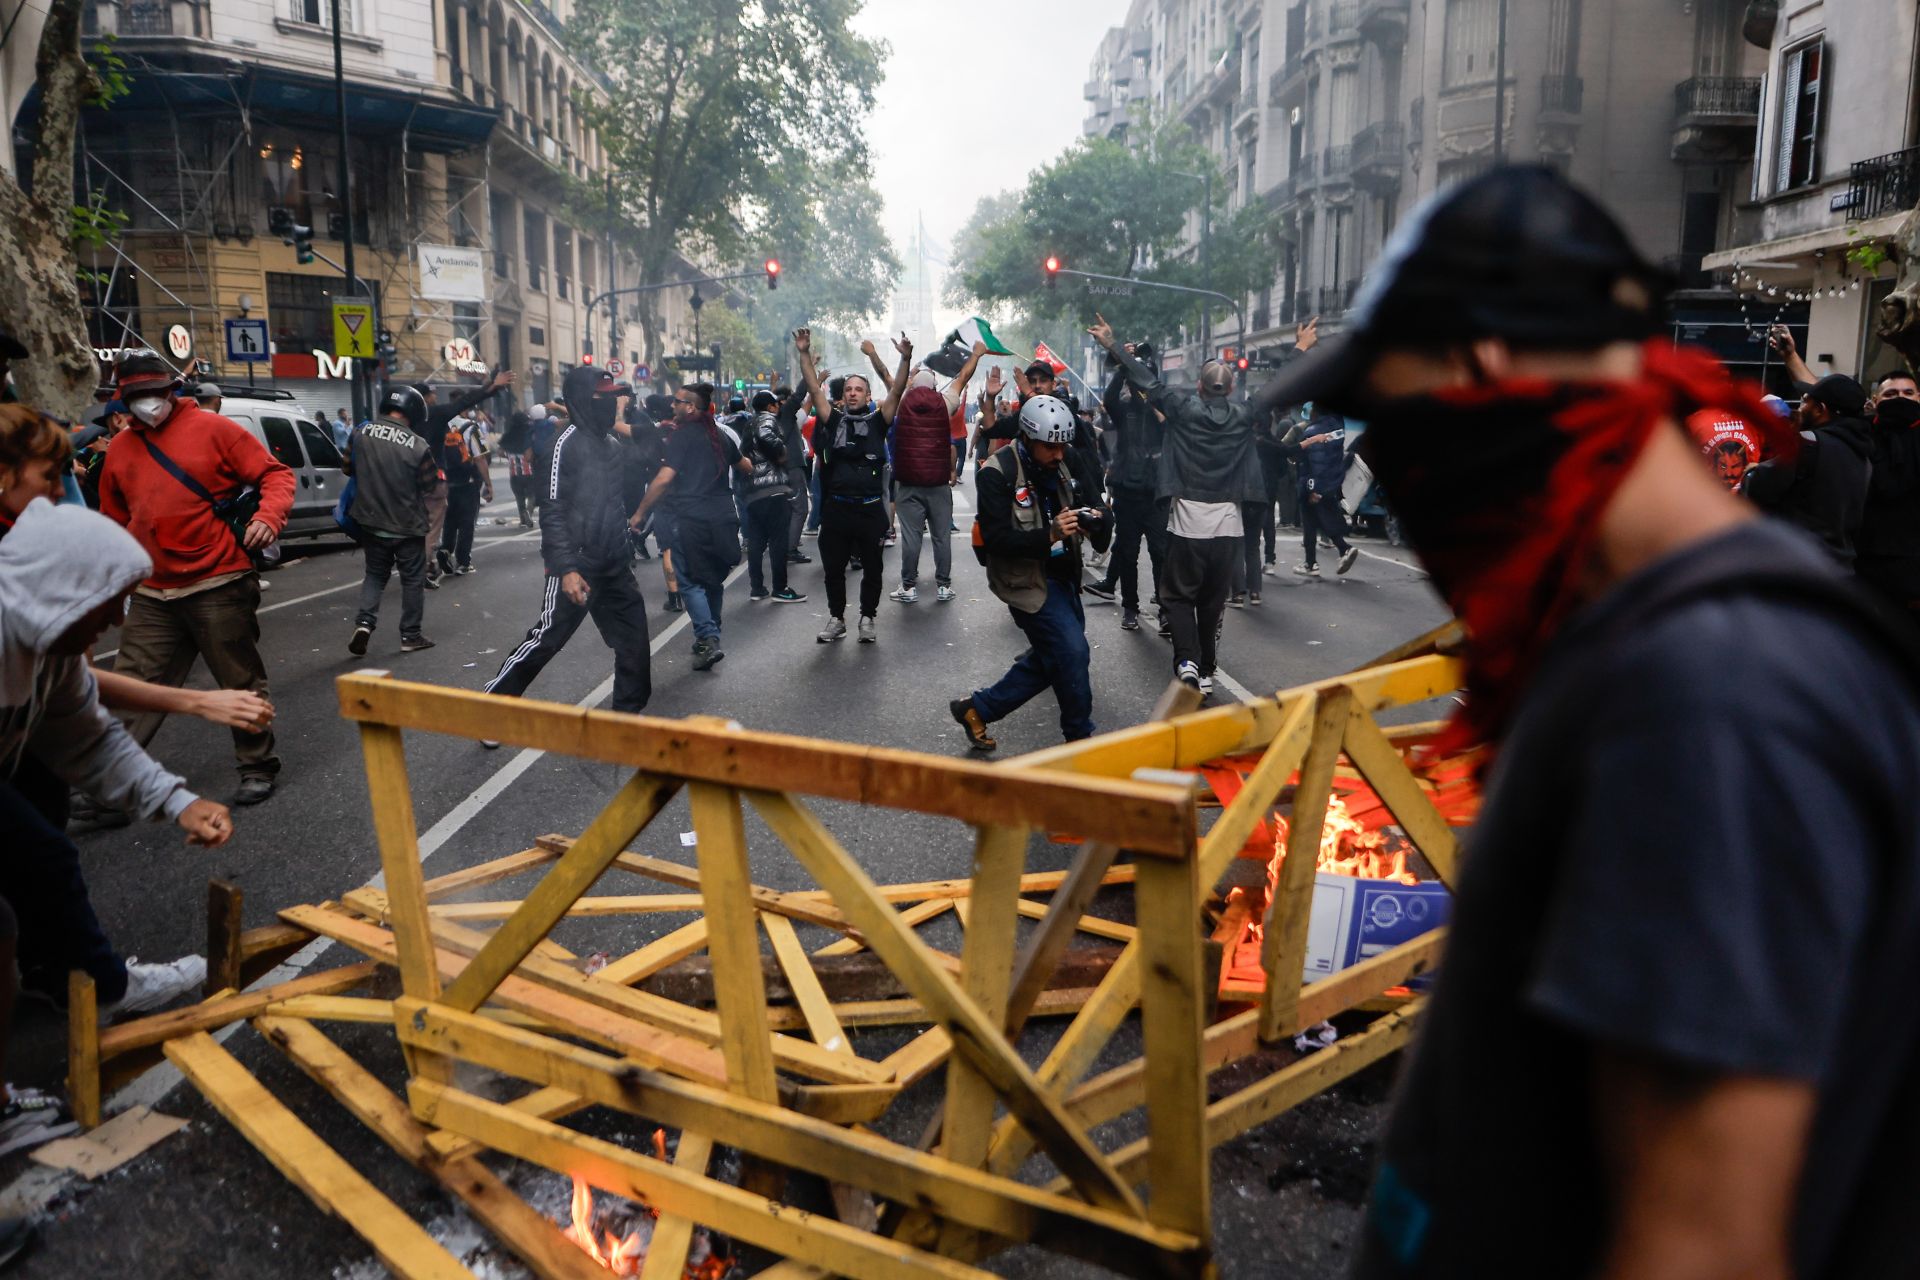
[
  {"x": 1041, "y": 351},
  {"x": 958, "y": 347}
]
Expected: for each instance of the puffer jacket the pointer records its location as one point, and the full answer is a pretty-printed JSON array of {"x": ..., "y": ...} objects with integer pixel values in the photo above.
[
  {"x": 923, "y": 440},
  {"x": 583, "y": 518}
]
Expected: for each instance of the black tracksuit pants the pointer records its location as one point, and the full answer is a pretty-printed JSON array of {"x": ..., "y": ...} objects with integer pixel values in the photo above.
[
  {"x": 766, "y": 522},
  {"x": 613, "y": 599},
  {"x": 463, "y": 512},
  {"x": 847, "y": 530},
  {"x": 1193, "y": 589},
  {"x": 1136, "y": 516},
  {"x": 1323, "y": 517}
]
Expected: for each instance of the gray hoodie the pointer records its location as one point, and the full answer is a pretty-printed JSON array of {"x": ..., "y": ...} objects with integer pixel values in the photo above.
[{"x": 57, "y": 565}]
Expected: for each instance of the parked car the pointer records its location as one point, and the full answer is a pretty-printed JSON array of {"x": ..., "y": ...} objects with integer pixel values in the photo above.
[{"x": 299, "y": 437}]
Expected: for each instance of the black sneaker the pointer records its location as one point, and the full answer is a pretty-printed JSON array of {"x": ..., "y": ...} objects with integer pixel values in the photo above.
[
  {"x": 414, "y": 644},
  {"x": 761, "y": 594},
  {"x": 968, "y": 718},
  {"x": 788, "y": 596},
  {"x": 1238, "y": 600},
  {"x": 1130, "y": 620},
  {"x": 1099, "y": 591},
  {"x": 1166, "y": 627},
  {"x": 673, "y": 603},
  {"x": 443, "y": 560},
  {"x": 799, "y": 557},
  {"x": 1253, "y": 598},
  {"x": 432, "y": 582},
  {"x": 358, "y": 645},
  {"x": 251, "y": 791},
  {"x": 465, "y": 568},
  {"x": 705, "y": 654}
]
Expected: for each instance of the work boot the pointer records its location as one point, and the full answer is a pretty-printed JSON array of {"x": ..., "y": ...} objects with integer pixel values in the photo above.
[
  {"x": 969, "y": 719},
  {"x": 705, "y": 653},
  {"x": 836, "y": 629}
]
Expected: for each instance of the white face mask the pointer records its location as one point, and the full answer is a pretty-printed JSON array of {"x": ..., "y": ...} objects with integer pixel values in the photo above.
[{"x": 152, "y": 410}]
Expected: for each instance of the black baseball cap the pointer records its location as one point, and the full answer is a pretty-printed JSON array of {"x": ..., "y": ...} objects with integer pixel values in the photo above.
[
  {"x": 1041, "y": 369},
  {"x": 1839, "y": 393},
  {"x": 1518, "y": 253}
]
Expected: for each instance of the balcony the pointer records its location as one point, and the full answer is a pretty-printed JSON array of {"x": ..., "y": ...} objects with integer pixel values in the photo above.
[
  {"x": 1384, "y": 21},
  {"x": 1714, "y": 118},
  {"x": 1246, "y": 106},
  {"x": 146, "y": 18},
  {"x": 1336, "y": 165},
  {"x": 1289, "y": 79},
  {"x": 1884, "y": 184},
  {"x": 1378, "y": 152},
  {"x": 1560, "y": 96}
]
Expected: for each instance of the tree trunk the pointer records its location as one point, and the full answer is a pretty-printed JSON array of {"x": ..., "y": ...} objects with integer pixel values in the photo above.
[
  {"x": 1899, "y": 319},
  {"x": 39, "y": 290}
]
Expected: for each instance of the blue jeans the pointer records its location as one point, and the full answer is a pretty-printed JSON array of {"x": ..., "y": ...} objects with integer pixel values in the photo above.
[
  {"x": 1058, "y": 658},
  {"x": 705, "y": 626},
  {"x": 813, "y": 500}
]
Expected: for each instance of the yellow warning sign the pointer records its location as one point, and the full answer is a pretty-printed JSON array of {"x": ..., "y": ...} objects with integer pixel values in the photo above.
[{"x": 353, "y": 330}]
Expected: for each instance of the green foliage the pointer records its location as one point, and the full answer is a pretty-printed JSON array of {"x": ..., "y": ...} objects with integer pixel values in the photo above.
[
  {"x": 741, "y": 351},
  {"x": 94, "y": 225},
  {"x": 110, "y": 72},
  {"x": 838, "y": 267},
  {"x": 1866, "y": 254},
  {"x": 1115, "y": 210}
]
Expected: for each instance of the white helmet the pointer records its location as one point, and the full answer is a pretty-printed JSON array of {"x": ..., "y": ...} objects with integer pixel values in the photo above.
[{"x": 1047, "y": 419}]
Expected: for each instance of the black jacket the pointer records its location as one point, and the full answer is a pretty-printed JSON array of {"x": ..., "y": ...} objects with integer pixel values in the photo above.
[
  {"x": 1890, "y": 526},
  {"x": 1824, "y": 490},
  {"x": 1209, "y": 454},
  {"x": 995, "y": 496},
  {"x": 583, "y": 515},
  {"x": 1139, "y": 437},
  {"x": 393, "y": 469},
  {"x": 788, "y": 415}
]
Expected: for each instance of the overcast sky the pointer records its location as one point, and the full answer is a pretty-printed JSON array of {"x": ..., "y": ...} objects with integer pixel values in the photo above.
[{"x": 967, "y": 108}]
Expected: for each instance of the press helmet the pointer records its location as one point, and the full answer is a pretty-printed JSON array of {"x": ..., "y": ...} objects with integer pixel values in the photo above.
[
  {"x": 1047, "y": 419},
  {"x": 408, "y": 403},
  {"x": 142, "y": 369}
]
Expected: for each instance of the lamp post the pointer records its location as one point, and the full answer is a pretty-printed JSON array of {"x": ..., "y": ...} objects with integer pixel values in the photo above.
[{"x": 357, "y": 388}]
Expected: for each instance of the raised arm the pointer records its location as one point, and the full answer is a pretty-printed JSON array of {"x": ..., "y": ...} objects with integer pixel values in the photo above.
[
  {"x": 803, "y": 347},
  {"x": 872, "y": 353},
  {"x": 962, "y": 378},
  {"x": 1144, "y": 380},
  {"x": 898, "y": 386}
]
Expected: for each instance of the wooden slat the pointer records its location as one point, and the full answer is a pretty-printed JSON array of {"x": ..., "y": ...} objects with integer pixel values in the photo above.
[
  {"x": 1228, "y": 835},
  {"x": 1386, "y": 772},
  {"x": 1283, "y": 951},
  {"x": 211, "y": 1015},
  {"x": 975, "y": 1035},
  {"x": 1144, "y": 816},
  {"x": 805, "y": 907},
  {"x": 625, "y": 816},
  {"x": 913, "y": 917},
  {"x": 529, "y": 1234},
  {"x": 1172, "y": 1012},
  {"x": 225, "y": 909},
  {"x": 920, "y": 1056},
  {"x": 672, "y": 1234},
  {"x": 310, "y": 1164},
  {"x": 486, "y": 873},
  {"x": 671, "y": 1190},
  {"x": 739, "y": 985},
  {"x": 393, "y": 825},
  {"x": 1093, "y": 925},
  {"x": 687, "y": 940},
  {"x": 1001, "y": 1206},
  {"x": 822, "y": 1023},
  {"x": 992, "y": 924},
  {"x": 548, "y": 1104},
  {"x": 83, "y": 1048}
]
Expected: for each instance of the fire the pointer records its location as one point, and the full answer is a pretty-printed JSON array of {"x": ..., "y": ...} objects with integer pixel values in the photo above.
[
  {"x": 1347, "y": 848},
  {"x": 626, "y": 1256}
]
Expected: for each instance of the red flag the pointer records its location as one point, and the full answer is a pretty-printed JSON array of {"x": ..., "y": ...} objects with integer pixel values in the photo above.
[{"x": 1041, "y": 351}]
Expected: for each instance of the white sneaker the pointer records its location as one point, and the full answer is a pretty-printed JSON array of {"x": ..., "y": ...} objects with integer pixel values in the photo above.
[
  {"x": 1206, "y": 685},
  {"x": 150, "y": 986},
  {"x": 31, "y": 1118},
  {"x": 905, "y": 595},
  {"x": 945, "y": 595},
  {"x": 1189, "y": 674},
  {"x": 1307, "y": 570}
]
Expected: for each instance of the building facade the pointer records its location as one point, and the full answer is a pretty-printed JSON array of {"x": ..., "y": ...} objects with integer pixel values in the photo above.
[{"x": 1340, "y": 115}]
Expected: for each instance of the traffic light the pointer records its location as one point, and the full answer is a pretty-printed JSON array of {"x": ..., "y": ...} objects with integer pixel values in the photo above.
[
  {"x": 383, "y": 349},
  {"x": 1053, "y": 273},
  {"x": 300, "y": 236},
  {"x": 1242, "y": 364},
  {"x": 773, "y": 274}
]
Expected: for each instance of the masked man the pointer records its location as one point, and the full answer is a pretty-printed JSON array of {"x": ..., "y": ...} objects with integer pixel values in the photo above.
[{"x": 1658, "y": 1044}]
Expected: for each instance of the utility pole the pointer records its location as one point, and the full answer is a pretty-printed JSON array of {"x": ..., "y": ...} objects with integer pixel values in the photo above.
[
  {"x": 613, "y": 282},
  {"x": 1206, "y": 258},
  {"x": 361, "y": 409},
  {"x": 1499, "y": 89}
]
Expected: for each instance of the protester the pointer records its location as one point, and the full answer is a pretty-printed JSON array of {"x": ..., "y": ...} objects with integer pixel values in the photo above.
[
  {"x": 342, "y": 427},
  {"x": 790, "y": 402},
  {"x": 1823, "y": 487},
  {"x": 1659, "y": 1042},
  {"x": 1889, "y": 539},
  {"x": 924, "y": 466},
  {"x": 1207, "y": 470},
  {"x": 698, "y": 524},
  {"x": 465, "y": 461},
  {"x": 181, "y": 480},
  {"x": 516, "y": 442},
  {"x": 65, "y": 576},
  {"x": 1035, "y": 500},
  {"x": 207, "y": 396},
  {"x": 766, "y": 502},
  {"x": 643, "y": 462},
  {"x": 1320, "y": 456},
  {"x": 583, "y": 546},
  {"x": 851, "y": 446},
  {"x": 438, "y": 417},
  {"x": 392, "y": 465},
  {"x": 1898, "y": 385},
  {"x": 1131, "y": 479}
]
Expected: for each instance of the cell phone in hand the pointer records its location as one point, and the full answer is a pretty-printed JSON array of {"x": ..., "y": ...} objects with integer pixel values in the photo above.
[{"x": 1089, "y": 513}]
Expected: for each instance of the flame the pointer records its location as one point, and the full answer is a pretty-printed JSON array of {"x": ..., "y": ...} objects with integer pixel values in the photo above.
[
  {"x": 627, "y": 1257},
  {"x": 1347, "y": 848}
]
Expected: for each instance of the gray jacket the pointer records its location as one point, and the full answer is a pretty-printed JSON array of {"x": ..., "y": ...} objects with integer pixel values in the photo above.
[
  {"x": 1208, "y": 454},
  {"x": 57, "y": 565},
  {"x": 393, "y": 470}
]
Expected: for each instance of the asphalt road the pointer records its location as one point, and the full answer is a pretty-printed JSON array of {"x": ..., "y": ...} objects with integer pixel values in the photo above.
[{"x": 204, "y": 1203}]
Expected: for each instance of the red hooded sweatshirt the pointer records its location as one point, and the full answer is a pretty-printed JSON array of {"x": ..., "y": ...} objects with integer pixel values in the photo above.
[{"x": 187, "y": 541}]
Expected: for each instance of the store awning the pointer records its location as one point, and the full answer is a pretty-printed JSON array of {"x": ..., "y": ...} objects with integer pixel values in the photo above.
[{"x": 1799, "y": 250}]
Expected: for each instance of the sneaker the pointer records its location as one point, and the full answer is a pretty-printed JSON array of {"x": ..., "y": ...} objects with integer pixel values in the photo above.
[
  {"x": 673, "y": 603},
  {"x": 1130, "y": 620},
  {"x": 491, "y": 744},
  {"x": 1206, "y": 686},
  {"x": 761, "y": 594},
  {"x": 1307, "y": 570},
  {"x": 836, "y": 629},
  {"x": 905, "y": 595},
  {"x": 1269, "y": 569},
  {"x": 31, "y": 1118},
  {"x": 787, "y": 595},
  {"x": 1166, "y": 627},
  {"x": 414, "y": 644},
  {"x": 1238, "y": 600},
  {"x": 705, "y": 654},
  {"x": 1346, "y": 561},
  {"x": 358, "y": 645},
  {"x": 810, "y": 533},
  {"x": 945, "y": 595},
  {"x": 465, "y": 569},
  {"x": 432, "y": 582},
  {"x": 1189, "y": 674},
  {"x": 1099, "y": 591},
  {"x": 149, "y": 986},
  {"x": 1253, "y": 598},
  {"x": 443, "y": 561},
  {"x": 892, "y": 540},
  {"x": 969, "y": 719},
  {"x": 644, "y": 554},
  {"x": 251, "y": 791},
  {"x": 799, "y": 557},
  {"x": 868, "y": 635}
]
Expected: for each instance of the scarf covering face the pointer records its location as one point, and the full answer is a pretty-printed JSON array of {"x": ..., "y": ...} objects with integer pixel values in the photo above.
[{"x": 1500, "y": 489}]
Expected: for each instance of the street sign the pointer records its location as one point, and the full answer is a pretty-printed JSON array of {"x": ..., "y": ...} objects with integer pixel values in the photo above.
[
  {"x": 247, "y": 342},
  {"x": 179, "y": 341},
  {"x": 459, "y": 351},
  {"x": 739, "y": 384},
  {"x": 353, "y": 330},
  {"x": 1097, "y": 289},
  {"x": 616, "y": 368},
  {"x": 642, "y": 373}
]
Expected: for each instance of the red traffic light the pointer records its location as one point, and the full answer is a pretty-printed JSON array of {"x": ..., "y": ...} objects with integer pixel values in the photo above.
[
  {"x": 586, "y": 357},
  {"x": 1242, "y": 364},
  {"x": 773, "y": 273},
  {"x": 1053, "y": 273},
  {"x": 1053, "y": 264}
]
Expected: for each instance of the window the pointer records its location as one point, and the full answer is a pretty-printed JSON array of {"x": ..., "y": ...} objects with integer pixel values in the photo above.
[
  {"x": 282, "y": 443},
  {"x": 536, "y": 238},
  {"x": 500, "y": 210},
  {"x": 536, "y": 336},
  {"x": 319, "y": 13},
  {"x": 1472, "y": 30},
  {"x": 1563, "y": 34},
  {"x": 300, "y": 310},
  {"x": 506, "y": 346},
  {"x": 1801, "y": 70},
  {"x": 563, "y": 260},
  {"x": 319, "y": 445}
]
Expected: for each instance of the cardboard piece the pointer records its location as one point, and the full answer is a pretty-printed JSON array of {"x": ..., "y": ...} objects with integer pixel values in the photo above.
[{"x": 111, "y": 1145}]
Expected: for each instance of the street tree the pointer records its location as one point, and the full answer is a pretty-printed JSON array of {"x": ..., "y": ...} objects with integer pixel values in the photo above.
[
  {"x": 39, "y": 285},
  {"x": 742, "y": 354},
  {"x": 838, "y": 265},
  {"x": 712, "y": 112}
]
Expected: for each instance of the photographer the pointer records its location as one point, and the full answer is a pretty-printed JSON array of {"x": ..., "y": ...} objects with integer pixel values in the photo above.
[
  {"x": 766, "y": 500},
  {"x": 1037, "y": 498}
]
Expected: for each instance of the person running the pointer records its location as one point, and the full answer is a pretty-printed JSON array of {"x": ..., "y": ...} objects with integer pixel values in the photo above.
[
  {"x": 1208, "y": 469},
  {"x": 1321, "y": 454},
  {"x": 1036, "y": 500},
  {"x": 392, "y": 465},
  {"x": 583, "y": 546},
  {"x": 1138, "y": 515},
  {"x": 179, "y": 480},
  {"x": 851, "y": 445},
  {"x": 766, "y": 500},
  {"x": 699, "y": 525}
]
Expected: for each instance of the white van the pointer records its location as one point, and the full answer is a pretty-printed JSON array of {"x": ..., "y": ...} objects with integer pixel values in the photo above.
[{"x": 301, "y": 438}]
